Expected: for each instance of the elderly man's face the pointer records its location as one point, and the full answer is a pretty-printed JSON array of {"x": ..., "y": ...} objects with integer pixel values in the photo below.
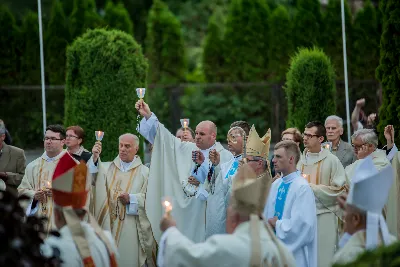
[
  {"x": 333, "y": 130},
  {"x": 127, "y": 148},
  {"x": 361, "y": 149}
]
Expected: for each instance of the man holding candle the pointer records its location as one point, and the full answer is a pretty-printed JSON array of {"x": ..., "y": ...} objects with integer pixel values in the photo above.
[
  {"x": 249, "y": 242},
  {"x": 121, "y": 187},
  {"x": 290, "y": 208},
  {"x": 326, "y": 176},
  {"x": 173, "y": 162},
  {"x": 36, "y": 183}
]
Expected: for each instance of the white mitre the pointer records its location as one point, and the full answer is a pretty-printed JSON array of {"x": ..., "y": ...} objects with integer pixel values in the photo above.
[{"x": 369, "y": 191}]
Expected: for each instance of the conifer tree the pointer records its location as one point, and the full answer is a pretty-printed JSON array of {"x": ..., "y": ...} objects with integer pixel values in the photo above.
[
  {"x": 117, "y": 17},
  {"x": 8, "y": 47},
  {"x": 213, "y": 52},
  {"x": 280, "y": 43},
  {"x": 57, "y": 36},
  {"x": 389, "y": 67},
  {"x": 165, "y": 50},
  {"x": 333, "y": 42},
  {"x": 307, "y": 24},
  {"x": 246, "y": 36},
  {"x": 84, "y": 16}
]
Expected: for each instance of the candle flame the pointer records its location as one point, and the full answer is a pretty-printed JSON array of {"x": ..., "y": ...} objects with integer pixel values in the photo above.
[{"x": 167, "y": 204}]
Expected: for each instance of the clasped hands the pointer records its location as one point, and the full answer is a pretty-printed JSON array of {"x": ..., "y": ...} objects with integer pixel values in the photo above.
[{"x": 41, "y": 194}]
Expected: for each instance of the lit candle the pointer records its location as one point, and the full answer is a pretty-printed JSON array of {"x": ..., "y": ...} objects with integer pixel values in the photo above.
[
  {"x": 140, "y": 92},
  {"x": 48, "y": 185},
  {"x": 99, "y": 135},
  {"x": 185, "y": 123},
  {"x": 167, "y": 204}
]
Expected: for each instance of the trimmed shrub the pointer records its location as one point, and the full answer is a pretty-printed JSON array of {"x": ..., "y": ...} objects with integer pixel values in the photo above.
[
  {"x": 117, "y": 17},
  {"x": 104, "y": 68},
  {"x": 165, "y": 50},
  {"x": 8, "y": 46},
  {"x": 280, "y": 43},
  {"x": 310, "y": 88},
  {"x": 388, "y": 71},
  {"x": 57, "y": 38},
  {"x": 213, "y": 51}
]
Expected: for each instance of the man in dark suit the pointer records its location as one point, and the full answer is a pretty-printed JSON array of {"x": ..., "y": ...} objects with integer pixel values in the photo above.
[
  {"x": 12, "y": 163},
  {"x": 341, "y": 149}
]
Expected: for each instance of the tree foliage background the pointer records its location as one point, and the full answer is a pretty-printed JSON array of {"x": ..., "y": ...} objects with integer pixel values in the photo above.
[{"x": 202, "y": 41}]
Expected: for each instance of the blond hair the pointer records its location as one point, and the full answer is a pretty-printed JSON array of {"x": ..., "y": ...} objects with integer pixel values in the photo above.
[{"x": 290, "y": 148}]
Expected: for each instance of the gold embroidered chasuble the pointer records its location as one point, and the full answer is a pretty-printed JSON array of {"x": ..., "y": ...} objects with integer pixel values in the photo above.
[
  {"x": 38, "y": 175},
  {"x": 132, "y": 233},
  {"x": 327, "y": 178}
]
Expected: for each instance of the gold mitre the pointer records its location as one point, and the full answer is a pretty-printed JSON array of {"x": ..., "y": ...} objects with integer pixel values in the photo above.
[
  {"x": 256, "y": 146},
  {"x": 249, "y": 191}
]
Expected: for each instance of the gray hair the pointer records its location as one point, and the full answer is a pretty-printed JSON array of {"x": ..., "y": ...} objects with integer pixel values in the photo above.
[
  {"x": 368, "y": 136},
  {"x": 2, "y": 128},
  {"x": 130, "y": 135},
  {"x": 336, "y": 118}
]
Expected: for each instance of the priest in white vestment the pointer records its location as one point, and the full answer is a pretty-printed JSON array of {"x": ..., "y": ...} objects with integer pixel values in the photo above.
[
  {"x": 219, "y": 187},
  {"x": 290, "y": 208},
  {"x": 327, "y": 178},
  {"x": 36, "y": 183},
  {"x": 80, "y": 243},
  {"x": 173, "y": 162},
  {"x": 249, "y": 242},
  {"x": 365, "y": 143},
  {"x": 365, "y": 228},
  {"x": 121, "y": 187}
]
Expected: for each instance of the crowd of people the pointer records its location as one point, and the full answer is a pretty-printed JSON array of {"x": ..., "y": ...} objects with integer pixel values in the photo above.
[{"x": 199, "y": 203}]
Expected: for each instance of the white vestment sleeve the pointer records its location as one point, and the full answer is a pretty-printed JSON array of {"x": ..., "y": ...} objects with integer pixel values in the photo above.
[
  {"x": 299, "y": 229},
  {"x": 148, "y": 128},
  {"x": 392, "y": 153},
  {"x": 92, "y": 167},
  {"x": 132, "y": 207}
]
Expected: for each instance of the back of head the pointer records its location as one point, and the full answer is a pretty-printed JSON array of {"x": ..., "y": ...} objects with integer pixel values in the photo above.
[
  {"x": 242, "y": 124},
  {"x": 21, "y": 238},
  {"x": 321, "y": 131}
]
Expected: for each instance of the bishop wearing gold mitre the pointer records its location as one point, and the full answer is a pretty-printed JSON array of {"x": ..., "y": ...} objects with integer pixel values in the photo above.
[
  {"x": 249, "y": 242},
  {"x": 121, "y": 187},
  {"x": 80, "y": 243},
  {"x": 326, "y": 176},
  {"x": 257, "y": 151}
]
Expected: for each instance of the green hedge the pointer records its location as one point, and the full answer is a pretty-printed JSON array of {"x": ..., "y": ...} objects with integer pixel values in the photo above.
[
  {"x": 117, "y": 17},
  {"x": 310, "y": 88},
  {"x": 104, "y": 68},
  {"x": 388, "y": 71}
]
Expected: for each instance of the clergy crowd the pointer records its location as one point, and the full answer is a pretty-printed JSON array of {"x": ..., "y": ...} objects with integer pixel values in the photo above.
[{"x": 200, "y": 203}]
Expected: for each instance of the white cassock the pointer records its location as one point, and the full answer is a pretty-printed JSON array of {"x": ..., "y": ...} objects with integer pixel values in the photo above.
[
  {"x": 219, "y": 194},
  {"x": 68, "y": 250},
  {"x": 228, "y": 250},
  {"x": 172, "y": 164},
  {"x": 292, "y": 200}
]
